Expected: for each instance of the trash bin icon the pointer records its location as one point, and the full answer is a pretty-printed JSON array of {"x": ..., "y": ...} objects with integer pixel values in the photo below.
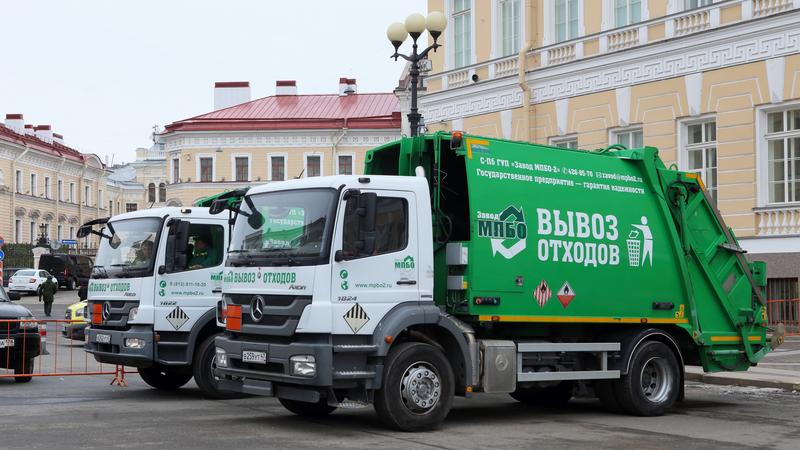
[{"x": 634, "y": 248}]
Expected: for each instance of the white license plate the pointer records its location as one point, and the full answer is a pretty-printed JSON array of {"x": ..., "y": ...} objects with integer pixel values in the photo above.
[
  {"x": 102, "y": 338},
  {"x": 254, "y": 357},
  {"x": 6, "y": 343}
]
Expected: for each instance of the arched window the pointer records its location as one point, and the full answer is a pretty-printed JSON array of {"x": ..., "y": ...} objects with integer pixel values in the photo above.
[
  {"x": 162, "y": 192},
  {"x": 151, "y": 193}
]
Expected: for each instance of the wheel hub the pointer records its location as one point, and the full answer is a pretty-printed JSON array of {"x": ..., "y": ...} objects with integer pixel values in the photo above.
[
  {"x": 656, "y": 380},
  {"x": 420, "y": 388}
]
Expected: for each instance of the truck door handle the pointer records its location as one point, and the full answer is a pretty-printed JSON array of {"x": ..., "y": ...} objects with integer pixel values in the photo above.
[
  {"x": 217, "y": 291},
  {"x": 409, "y": 282}
]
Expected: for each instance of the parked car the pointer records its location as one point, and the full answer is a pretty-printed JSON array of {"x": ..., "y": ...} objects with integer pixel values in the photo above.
[
  {"x": 20, "y": 342},
  {"x": 8, "y": 272},
  {"x": 71, "y": 271},
  {"x": 28, "y": 280},
  {"x": 77, "y": 313}
]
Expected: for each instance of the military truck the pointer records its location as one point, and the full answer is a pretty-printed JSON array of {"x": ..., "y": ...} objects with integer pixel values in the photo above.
[{"x": 462, "y": 264}]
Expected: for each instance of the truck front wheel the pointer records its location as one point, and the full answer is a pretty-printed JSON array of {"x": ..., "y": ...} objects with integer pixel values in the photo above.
[
  {"x": 165, "y": 379},
  {"x": 203, "y": 369},
  {"x": 652, "y": 384},
  {"x": 418, "y": 388},
  {"x": 306, "y": 409}
]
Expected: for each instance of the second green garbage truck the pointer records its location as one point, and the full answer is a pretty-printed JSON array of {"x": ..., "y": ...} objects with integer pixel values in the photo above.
[{"x": 460, "y": 264}]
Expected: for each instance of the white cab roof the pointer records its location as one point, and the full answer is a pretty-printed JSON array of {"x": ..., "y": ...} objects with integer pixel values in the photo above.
[{"x": 400, "y": 183}]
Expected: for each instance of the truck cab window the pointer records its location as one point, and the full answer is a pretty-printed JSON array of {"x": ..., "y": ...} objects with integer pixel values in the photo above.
[
  {"x": 391, "y": 226},
  {"x": 205, "y": 247}
]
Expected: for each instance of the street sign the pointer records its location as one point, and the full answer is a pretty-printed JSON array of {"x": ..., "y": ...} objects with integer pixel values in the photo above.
[
  {"x": 69, "y": 242},
  {"x": 2, "y": 255},
  {"x": 2, "y": 241}
]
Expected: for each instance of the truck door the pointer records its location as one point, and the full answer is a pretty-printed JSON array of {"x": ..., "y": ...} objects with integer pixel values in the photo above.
[
  {"x": 368, "y": 282},
  {"x": 188, "y": 287}
]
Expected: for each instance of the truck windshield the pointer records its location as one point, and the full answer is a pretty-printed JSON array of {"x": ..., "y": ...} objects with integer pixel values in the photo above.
[
  {"x": 283, "y": 228},
  {"x": 131, "y": 250}
]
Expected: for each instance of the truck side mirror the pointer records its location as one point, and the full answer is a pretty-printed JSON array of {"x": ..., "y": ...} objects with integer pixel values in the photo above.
[
  {"x": 83, "y": 231},
  {"x": 217, "y": 206},
  {"x": 177, "y": 243}
]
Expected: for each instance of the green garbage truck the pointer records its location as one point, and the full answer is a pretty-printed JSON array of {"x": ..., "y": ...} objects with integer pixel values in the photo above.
[{"x": 461, "y": 264}]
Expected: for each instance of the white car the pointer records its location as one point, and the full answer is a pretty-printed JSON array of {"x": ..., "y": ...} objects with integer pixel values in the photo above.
[{"x": 27, "y": 280}]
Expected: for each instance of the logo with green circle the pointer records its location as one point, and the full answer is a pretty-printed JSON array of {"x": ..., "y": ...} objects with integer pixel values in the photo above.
[
  {"x": 162, "y": 284},
  {"x": 343, "y": 274}
]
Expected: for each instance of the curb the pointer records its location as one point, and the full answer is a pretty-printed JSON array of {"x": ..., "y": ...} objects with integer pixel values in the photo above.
[{"x": 747, "y": 379}]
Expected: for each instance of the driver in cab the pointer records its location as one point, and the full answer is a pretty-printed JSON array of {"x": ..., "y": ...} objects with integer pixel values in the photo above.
[
  {"x": 144, "y": 254},
  {"x": 204, "y": 254}
]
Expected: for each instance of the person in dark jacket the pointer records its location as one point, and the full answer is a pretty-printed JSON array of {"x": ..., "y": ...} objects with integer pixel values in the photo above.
[{"x": 49, "y": 289}]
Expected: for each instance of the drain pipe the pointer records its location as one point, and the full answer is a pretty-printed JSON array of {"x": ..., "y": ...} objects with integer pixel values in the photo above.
[{"x": 522, "y": 65}]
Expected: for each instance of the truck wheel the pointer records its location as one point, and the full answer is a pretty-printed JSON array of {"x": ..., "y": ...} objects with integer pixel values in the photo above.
[
  {"x": 28, "y": 368},
  {"x": 418, "y": 388},
  {"x": 651, "y": 386},
  {"x": 203, "y": 370},
  {"x": 71, "y": 284},
  {"x": 165, "y": 379},
  {"x": 306, "y": 409},
  {"x": 550, "y": 396}
]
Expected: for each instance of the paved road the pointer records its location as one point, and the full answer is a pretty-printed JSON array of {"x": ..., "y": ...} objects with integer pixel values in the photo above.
[{"x": 86, "y": 412}]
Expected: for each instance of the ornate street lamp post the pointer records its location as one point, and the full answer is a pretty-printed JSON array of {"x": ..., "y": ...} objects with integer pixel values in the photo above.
[{"x": 415, "y": 25}]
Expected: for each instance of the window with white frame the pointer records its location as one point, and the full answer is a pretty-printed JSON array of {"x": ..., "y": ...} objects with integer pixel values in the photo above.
[
  {"x": 87, "y": 195},
  {"x": 18, "y": 181},
  {"x": 510, "y": 26},
  {"x": 313, "y": 165},
  {"x": 33, "y": 184},
  {"x": 630, "y": 138},
  {"x": 241, "y": 168},
  {"x": 72, "y": 232},
  {"x": 100, "y": 200},
  {"x": 47, "y": 229},
  {"x": 61, "y": 190},
  {"x": 565, "y": 142},
  {"x": 18, "y": 231},
  {"x": 176, "y": 170},
  {"x": 566, "y": 20},
  {"x": 691, "y": 4},
  {"x": 47, "y": 187},
  {"x": 72, "y": 192},
  {"x": 277, "y": 167},
  {"x": 462, "y": 32},
  {"x": 700, "y": 153},
  {"x": 60, "y": 232},
  {"x": 33, "y": 231},
  {"x": 130, "y": 207},
  {"x": 110, "y": 207},
  {"x": 206, "y": 169},
  {"x": 783, "y": 155},
  {"x": 627, "y": 12},
  {"x": 345, "y": 164}
]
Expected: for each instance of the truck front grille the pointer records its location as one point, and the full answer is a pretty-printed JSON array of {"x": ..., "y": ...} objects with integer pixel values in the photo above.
[
  {"x": 281, "y": 313},
  {"x": 118, "y": 317}
]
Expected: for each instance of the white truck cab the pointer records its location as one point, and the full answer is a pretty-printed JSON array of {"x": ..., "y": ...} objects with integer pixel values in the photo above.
[{"x": 152, "y": 294}]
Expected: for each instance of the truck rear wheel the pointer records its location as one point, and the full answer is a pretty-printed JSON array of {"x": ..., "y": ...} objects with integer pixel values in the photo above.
[
  {"x": 165, "y": 379},
  {"x": 306, "y": 409},
  {"x": 418, "y": 388},
  {"x": 28, "y": 368},
  {"x": 551, "y": 396},
  {"x": 203, "y": 370},
  {"x": 652, "y": 384}
]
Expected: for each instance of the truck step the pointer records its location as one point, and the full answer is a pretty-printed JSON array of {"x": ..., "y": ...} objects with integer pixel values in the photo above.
[
  {"x": 352, "y": 374},
  {"x": 350, "y": 404},
  {"x": 354, "y": 348}
]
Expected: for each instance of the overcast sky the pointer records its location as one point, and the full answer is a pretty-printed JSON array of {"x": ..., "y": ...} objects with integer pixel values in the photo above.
[{"x": 102, "y": 73}]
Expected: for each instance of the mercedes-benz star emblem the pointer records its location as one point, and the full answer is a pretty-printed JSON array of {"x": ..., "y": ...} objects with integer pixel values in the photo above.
[
  {"x": 106, "y": 310},
  {"x": 257, "y": 308}
]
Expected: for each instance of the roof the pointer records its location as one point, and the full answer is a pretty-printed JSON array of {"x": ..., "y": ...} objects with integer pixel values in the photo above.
[
  {"x": 297, "y": 112},
  {"x": 53, "y": 148}
]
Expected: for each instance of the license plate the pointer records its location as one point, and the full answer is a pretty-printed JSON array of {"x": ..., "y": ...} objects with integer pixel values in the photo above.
[
  {"x": 102, "y": 338},
  {"x": 4, "y": 343},
  {"x": 254, "y": 357}
]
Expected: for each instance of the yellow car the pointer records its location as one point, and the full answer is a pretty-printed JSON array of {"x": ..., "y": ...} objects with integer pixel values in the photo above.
[{"x": 77, "y": 313}]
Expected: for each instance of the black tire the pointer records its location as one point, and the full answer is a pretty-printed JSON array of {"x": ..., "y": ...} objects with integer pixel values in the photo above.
[
  {"x": 165, "y": 379},
  {"x": 306, "y": 409},
  {"x": 652, "y": 384},
  {"x": 409, "y": 362},
  {"x": 27, "y": 369},
  {"x": 550, "y": 396},
  {"x": 202, "y": 369},
  {"x": 604, "y": 390},
  {"x": 71, "y": 284}
]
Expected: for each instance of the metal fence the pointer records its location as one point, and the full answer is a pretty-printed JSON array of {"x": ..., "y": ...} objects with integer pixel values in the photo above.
[
  {"x": 787, "y": 312},
  {"x": 26, "y": 352}
]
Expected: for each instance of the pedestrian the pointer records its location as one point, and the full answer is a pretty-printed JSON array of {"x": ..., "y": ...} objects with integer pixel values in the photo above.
[{"x": 48, "y": 291}]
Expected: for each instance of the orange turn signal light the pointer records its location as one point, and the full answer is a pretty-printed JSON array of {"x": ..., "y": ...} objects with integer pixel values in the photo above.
[
  {"x": 97, "y": 313},
  {"x": 233, "y": 320}
]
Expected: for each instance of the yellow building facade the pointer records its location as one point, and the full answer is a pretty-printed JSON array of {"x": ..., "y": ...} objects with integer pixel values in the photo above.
[{"x": 714, "y": 85}]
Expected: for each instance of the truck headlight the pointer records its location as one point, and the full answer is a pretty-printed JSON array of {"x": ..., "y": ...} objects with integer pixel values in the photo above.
[
  {"x": 221, "y": 357},
  {"x": 134, "y": 343},
  {"x": 30, "y": 323},
  {"x": 303, "y": 365},
  {"x": 134, "y": 312}
]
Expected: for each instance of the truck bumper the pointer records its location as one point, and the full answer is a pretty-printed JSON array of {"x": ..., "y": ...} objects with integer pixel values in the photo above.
[
  {"x": 74, "y": 331},
  {"x": 115, "y": 352},
  {"x": 274, "y": 378}
]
